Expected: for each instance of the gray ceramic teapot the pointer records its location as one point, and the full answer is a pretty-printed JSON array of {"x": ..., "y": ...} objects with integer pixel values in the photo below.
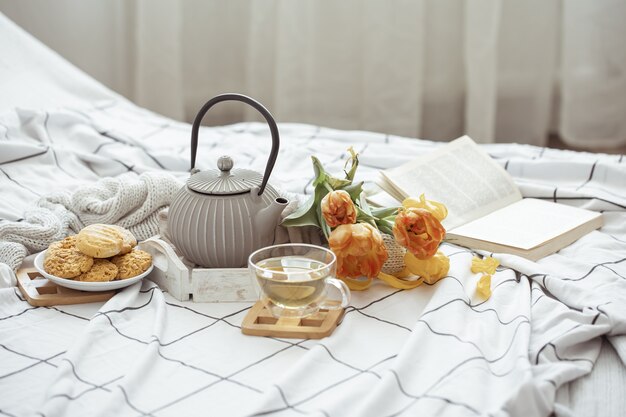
[{"x": 221, "y": 216}]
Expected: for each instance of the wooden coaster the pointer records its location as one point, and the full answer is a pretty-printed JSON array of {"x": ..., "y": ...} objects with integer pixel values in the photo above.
[
  {"x": 260, "y": 322},
  {"x": 39, "y": 291}
]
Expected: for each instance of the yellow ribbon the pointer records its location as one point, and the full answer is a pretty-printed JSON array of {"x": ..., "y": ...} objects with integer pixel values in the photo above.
[
  {"x": 358, "y": 285},
  {"x": 431, "y": 270},
  {"x": 398, "y": 283}
]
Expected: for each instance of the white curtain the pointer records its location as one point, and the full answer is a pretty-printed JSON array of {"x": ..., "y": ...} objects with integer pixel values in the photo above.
[{"x": 500, "y": 71}]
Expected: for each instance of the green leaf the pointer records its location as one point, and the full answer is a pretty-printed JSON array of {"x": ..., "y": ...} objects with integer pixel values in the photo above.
[
  {"x": 362, "y": 216},
  {"x": 385, "y": 226},
  {"x": 320, "y": 173},
  {"x": 363, "y": 205},
  {"x": 306, "y": 215},
  {"x": 322, "y": 221},
  {"x": 337, "y": 183},
  {"x": 303, "y": 216},
  {"x": 381, "y": 213},
  {"x": 354, "y": 190},
  {"x": 322, "y": 176},
  {"x": 354, "y": 159}
]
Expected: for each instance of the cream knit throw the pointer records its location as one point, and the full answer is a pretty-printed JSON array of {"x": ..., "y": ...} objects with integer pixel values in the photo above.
[{"x": 129, "y": 200}]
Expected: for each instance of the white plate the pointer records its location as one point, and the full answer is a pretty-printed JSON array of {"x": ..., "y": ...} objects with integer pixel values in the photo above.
[{"x": 86, "y": 286}]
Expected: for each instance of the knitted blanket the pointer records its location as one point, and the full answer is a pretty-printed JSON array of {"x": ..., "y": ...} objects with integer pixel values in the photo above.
[{"x": 130, "y": 200}]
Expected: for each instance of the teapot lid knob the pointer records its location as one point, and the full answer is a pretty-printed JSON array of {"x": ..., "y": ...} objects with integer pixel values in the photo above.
[
  {"x": 225, "y": 163},
  {"x": 224, "y": 181}
]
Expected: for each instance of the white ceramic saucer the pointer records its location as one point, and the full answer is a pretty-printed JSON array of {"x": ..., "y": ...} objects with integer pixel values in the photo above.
[{"x": 86, "y": 286}]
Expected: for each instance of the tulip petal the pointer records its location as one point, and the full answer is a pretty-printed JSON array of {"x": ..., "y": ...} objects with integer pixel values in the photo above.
[
  {"x": 487, "y": 265},
  {"x": 483, "y": 288},
  {"x": 439, "y": 210}
]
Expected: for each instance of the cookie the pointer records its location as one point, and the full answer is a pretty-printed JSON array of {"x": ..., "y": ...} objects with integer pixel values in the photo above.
[
  {"x": 132, "y": 264},
  {"x": 100, "y": 241},
  {"x": 67, "y": 243},
  {"x": 129, "y": 241},
  {"x": 67, "y": 263},
  {"x": 101, "y": 271}
]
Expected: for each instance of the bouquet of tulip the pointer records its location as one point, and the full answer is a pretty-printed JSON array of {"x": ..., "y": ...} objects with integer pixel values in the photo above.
[{"x": 398, "y": 245}]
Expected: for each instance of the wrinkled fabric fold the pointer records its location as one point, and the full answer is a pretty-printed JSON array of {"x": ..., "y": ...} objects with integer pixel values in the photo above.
[{"x": 435, "y": 349}]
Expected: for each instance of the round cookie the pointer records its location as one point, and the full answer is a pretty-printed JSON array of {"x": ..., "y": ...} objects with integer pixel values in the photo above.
[
  {"x": 132, "y": 264},
  {"x": 101, "y": 271},
  {"x": 129, "y": 241},
  {"x": 67, "y": 243},
  {"x": 67, "y": 263},
  {"x": 100, "y": 241}
]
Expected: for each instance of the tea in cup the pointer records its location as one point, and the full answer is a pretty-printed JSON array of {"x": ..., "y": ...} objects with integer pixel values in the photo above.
[{"x": 294, "y": 279}]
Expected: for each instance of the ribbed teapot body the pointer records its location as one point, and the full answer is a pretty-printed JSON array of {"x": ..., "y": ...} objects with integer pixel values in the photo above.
[{"x": 218, "y": 231}]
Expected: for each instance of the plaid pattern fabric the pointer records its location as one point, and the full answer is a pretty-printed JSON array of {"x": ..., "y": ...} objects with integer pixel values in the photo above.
[{"x": 437, "y": 349}]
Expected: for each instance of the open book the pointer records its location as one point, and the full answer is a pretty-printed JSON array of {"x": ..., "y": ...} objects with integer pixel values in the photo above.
[{"x": 485, "y": 208}]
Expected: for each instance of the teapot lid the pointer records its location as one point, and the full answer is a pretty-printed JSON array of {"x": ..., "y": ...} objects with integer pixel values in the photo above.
[{"x": 224, "y": 181}]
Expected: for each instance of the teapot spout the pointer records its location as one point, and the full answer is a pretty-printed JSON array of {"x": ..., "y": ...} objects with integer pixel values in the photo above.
[{"x": 268, "y": 218}]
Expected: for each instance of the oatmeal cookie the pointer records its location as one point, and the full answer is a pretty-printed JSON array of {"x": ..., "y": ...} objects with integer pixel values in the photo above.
[
  {"x": 100, "y": 241},
  {"x": 128, "y": 239},
  {"x": 132, "y": 264},
  {"x": 101, "y": 271},
  {"x": 67, "y": 243},
  {"x": 67, "y": 263}
]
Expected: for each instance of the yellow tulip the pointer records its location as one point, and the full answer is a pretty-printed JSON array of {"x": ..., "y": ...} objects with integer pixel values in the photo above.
[{"x": 437, "y": 209}]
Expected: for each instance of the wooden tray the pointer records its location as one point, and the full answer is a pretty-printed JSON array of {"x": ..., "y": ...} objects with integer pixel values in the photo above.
[
  {"x": 260, "y": 322},
  {"x": 39, "y": 291}
]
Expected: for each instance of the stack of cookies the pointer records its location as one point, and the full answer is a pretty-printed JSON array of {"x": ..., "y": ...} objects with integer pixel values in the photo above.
[{"x": 98, "y": 253}]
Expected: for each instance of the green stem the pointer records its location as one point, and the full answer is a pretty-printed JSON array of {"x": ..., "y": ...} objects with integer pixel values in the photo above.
[{"x": 385, "y": 226}]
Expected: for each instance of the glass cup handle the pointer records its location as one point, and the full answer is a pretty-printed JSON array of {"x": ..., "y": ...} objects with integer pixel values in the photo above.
[{"x": 332, "y": 304}]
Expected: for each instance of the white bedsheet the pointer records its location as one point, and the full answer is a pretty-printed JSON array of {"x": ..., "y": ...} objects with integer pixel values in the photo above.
[{"x": 435, "y": 350}]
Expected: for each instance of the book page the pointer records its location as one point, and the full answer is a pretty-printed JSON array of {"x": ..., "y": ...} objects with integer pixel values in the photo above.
[
  {"x": 525, "y": 224},
  {"x": 461, "y": 176}
]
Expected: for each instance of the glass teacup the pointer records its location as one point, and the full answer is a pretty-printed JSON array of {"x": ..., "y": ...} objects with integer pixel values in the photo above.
[{"x": 293, "y": 279}]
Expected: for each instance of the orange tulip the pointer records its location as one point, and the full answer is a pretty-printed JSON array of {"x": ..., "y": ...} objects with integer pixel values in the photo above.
[
  {"x": 360, "y": 250},
  {"x": 338, "y": 208},
  {"x": 419, "y": 231}
]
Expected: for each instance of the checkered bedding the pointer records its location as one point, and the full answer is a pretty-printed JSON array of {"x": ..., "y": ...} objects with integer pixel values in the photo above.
[
  {"x": 551, "y": 337},
  {"x": 434, "y": 350}
]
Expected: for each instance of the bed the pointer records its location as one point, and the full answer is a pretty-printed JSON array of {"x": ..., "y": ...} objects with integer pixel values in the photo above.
[{"x": 551, "y": 339}]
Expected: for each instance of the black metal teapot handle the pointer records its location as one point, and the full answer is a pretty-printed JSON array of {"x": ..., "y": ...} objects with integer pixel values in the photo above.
[{"x": 260, "y": 108}]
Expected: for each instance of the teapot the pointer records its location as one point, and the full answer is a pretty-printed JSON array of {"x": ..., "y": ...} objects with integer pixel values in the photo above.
[{"x": 223, "y": 215}]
